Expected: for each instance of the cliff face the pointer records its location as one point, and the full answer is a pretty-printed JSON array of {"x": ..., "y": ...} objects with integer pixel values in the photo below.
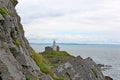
[{"x": 15, "y": 52}]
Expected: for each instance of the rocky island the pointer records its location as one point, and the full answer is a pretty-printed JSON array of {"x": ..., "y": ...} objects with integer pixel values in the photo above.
[{"x": 18, "y": 61}]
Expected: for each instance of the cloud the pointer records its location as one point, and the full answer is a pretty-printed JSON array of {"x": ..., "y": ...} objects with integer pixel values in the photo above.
[{"x": 68, "y": 20}]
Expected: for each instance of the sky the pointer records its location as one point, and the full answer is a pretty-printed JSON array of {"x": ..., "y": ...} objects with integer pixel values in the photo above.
[{"x": 71, "y": 21}]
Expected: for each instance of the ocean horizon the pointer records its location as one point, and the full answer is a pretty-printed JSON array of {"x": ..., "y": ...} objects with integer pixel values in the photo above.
[{"x": 75, "y": 43}]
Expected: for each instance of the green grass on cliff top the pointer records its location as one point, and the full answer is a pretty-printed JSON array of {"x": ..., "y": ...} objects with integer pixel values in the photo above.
[
  {"x": 55, "y": 54},
  {"x": 56, "y": 58}
]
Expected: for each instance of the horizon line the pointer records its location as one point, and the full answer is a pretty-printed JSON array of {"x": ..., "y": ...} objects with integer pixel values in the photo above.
[{"x": 80, "y": 43}]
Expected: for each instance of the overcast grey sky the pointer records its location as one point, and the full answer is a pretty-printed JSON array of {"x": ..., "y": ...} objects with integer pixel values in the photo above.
[{"x": 76, "y": 21}]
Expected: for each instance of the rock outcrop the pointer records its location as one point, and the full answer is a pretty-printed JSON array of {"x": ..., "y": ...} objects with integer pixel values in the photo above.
[
  {"x": 15, "y": 52},
  {"x": 16, "y": 62},
  {"x": 80, "y": 69}
]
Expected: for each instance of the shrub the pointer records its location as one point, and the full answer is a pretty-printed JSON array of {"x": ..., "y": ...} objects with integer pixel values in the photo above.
[
  {"x": 3, "y": 12},
  {"x": 29, "y": 78},
  {"x": 16, "y": 42}
]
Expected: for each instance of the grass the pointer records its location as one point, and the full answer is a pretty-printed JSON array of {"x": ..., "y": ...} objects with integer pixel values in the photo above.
[
  {"x": 43, "y": 64},
  {"x": 55, "y": 64},
  {"x": 20, "y": 29},
  {"x": 29, "y": 78},
  {"x": 54, "y": 54},
  {"x": 57, "y": 56},
  {"x": 95, "y": 73},
  {"x": 3, "y": 12},
  {"x": 16, "y": 42}
]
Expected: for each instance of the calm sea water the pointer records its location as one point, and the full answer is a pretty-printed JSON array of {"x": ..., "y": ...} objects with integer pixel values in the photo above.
[{"x": 102, "y": 54}]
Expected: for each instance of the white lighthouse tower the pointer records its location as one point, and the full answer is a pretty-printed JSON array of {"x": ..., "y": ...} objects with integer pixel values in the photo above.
[{"x": 54, "y": 46}]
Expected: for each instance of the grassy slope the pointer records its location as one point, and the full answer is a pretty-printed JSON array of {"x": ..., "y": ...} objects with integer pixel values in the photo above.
[
  {"x": 42, "y": 60},
  {"x": 43, "y": 63},
  {"x": 56, "y": 57},
  {"x": 53, "y": 54}
]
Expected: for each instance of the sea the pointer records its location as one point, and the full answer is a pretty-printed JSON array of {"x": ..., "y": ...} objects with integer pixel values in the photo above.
[{"x": 107, "y": 54}]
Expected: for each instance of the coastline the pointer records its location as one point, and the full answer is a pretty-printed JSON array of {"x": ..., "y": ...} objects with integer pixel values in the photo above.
[{"x": 96, "y": 52}]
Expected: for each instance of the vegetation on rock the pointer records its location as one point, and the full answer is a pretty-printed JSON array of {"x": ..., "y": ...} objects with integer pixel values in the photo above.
[
  {"x": 3, "y": 12},
  {"x": 56, "y": 57},
  {"x": 16, "y": 42},
  {"x": 53, "y": 54},
  {"x": 95, "y": 73},
  {"x": 29, "y": 78},
  {"x": 43, "y": 64},
  {"x": 11, "y": 1}
]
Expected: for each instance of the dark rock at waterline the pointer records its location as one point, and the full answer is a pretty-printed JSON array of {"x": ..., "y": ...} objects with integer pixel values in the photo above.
[
  {"x": 108, "y": 78},
  {"x": 101, "y": 65},
  {"x": 104, "y": 67}
]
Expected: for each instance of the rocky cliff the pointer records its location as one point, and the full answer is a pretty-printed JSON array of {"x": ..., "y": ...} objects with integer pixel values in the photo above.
[
  {"x": 15, "y": 53},
  {"x": 79, "y": 69}
]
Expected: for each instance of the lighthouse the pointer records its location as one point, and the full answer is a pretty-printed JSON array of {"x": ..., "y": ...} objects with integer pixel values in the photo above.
[{"x": 55, "y": 47}]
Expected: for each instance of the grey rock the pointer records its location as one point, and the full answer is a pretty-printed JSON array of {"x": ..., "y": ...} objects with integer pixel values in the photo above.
[
  {"x": 1, "y": 19},
  {"x": 80, "y": 69},
  {"x": 10, "y": 69},
  {"x": 15, "y": 2},
  {"x": 15, "y": 52}
]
